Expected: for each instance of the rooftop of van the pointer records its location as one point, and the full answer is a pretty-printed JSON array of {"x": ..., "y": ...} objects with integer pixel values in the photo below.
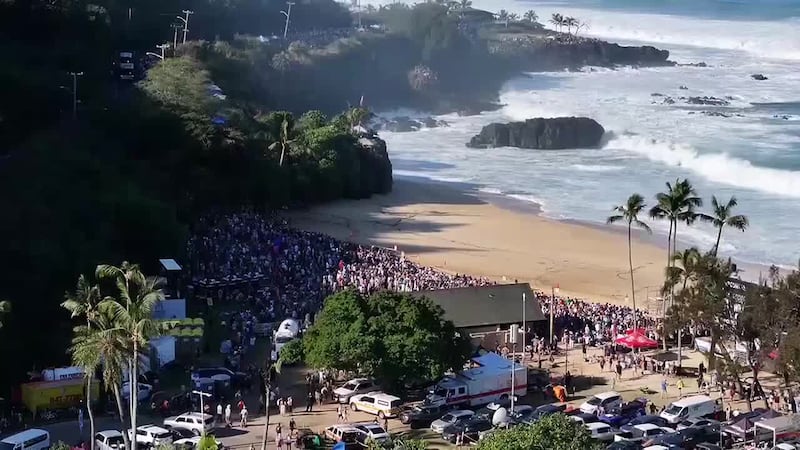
[
  {"x": 383, "y": 396},
  {"x": 597, "y": 425},
  {"x": 23, "y": 436},
  {"x": 605, "y": 395},
  {"x": 693, "y": 400}
]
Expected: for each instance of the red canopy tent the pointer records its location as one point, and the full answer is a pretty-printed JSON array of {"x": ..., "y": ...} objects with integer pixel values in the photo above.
[{"x": 636, "y": 339}]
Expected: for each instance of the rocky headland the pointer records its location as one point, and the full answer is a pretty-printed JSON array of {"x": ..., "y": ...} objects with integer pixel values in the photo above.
[{"x": 552, "y": 134}]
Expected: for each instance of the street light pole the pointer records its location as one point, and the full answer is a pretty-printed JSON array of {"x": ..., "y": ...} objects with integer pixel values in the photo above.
[
  {"x": 161, "y": 47},
  {"x": 176, "y": 27},
  {"x": 75, "y": 76},
  {"x": 524, "y": 350},
  {"x": 202, "y": 410},
  {"x": 267, "y": 386},
  {"x": 552, "y": 311},
  {"x": 513, "y": 332},
  {"x": 185, "y": 23},
  {"x": 288, "y": 14}
]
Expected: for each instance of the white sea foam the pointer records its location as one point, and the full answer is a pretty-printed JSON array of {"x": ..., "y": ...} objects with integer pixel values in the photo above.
[{"x": 595, "y": 168}]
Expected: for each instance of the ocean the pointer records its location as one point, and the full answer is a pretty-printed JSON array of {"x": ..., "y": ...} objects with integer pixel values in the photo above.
[{"x": 752, "y": 154}]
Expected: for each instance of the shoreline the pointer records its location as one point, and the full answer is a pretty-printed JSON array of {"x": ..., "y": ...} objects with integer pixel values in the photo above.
[{"x": 456, "y": 228}]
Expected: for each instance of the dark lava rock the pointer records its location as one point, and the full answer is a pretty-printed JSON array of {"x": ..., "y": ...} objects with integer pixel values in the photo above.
[
  {"x": 759, "y": 77},
  {"x": 683, "y": 88},
  {"x": 708, "y": 101},
  {"x": 556, "y": 133}
]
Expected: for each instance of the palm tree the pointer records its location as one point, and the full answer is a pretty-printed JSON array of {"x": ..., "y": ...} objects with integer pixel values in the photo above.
[
  {"x": 531, "y": 16},
  {"x": 83, "y": 304},
  {"x": 722, "y": 216},
  {"x": 104, "y": 344},
  {"x": 557, "y": 20},
  {"x": 685, "y": 269},
  {"x": 502, "y": 16},
  {"x": 629, "y": 213},
  {"x": 132, "y": 312},
  {"x": 5, "y": 307},
  {"x": 512, "y": 17},
  {"x": 464, "y": 5},
  {"x": 570, "y": 22},
  {"x": 677, "y": 204}
]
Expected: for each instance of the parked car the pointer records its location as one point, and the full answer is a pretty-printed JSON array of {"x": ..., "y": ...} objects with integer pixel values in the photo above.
[
  {"x": 641, "y": 433},
  {"x": 451, "y": 418},
  {"x": 181, "y": 433},
  {"x": 238, "y": 379},
  {"x": 371, "y": 431},
  {"x": 145, "y": 391},
  {"x": 195, "y": 421},
  {"x": 607, "y": 400},
  {"x": 709, "y": 425},
  {"x": 624, "y": 445},
  {"x": 686, "y": 439},
  {"x": 600, "y": 431},
  {"x": 152, "y": 435},
  {"x": 354, "y": 387},
  {"x": 470, "y": 430},
  {"x": 585, "y": 418},
  {"x": 419, "y": 416},
  {"x": 649, "y": 418},
  {"x": 191, "y": 443},
  {"x": 624, "y": 413},
  {"x": 546, "y": 410},
  {"x": 341, "y": 433},
  {"x": 378, "y": 403},
  {"x": 109, "y": 440}
]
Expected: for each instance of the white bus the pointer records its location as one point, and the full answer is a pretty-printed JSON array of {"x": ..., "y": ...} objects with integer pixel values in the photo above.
[{"x": 33, "y": 439}]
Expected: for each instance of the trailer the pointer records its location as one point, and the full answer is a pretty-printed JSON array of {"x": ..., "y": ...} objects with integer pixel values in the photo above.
[{"x": 488, "y": 379}]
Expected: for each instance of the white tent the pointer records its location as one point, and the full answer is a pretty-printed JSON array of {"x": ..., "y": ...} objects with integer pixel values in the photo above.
[{"x": 781, "y": 428}]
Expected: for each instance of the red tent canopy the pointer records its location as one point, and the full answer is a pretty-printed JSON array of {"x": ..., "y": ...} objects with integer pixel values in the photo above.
[{"x": 636, "y": 339}]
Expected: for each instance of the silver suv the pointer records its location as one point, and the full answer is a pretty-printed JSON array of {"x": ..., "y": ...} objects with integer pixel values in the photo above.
[
  {"x": 109, "y": 440},
  {"x": 152, "y": 435},
  {"x": 195, "y": 421}
]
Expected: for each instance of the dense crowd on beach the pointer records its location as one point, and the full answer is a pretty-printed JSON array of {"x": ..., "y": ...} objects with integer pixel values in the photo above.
[{"x": 272, "y": 271}]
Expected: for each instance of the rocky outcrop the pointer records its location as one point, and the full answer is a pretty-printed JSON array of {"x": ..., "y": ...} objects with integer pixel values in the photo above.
[
  {"x": 404, "y": 124},
  {"x": 539, "y": 133},
  {"x": 376, "y": 168},
  {"x": 547, "y": 52},
  {"x": 758, "y": 77},
  {"x": 704, "y": 101}
]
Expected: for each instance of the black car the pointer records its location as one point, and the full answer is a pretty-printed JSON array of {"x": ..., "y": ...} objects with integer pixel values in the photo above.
[
  {"x": 624, "y": 445},
  {"x": 470, "y": 429},
  {"x": 655, "y": 420},
  {"x": 181, "y": 433},
  {"x": 545, "y": 410},
  {"x": 686, "y": 439},
  {"x": 420, "y": 416}
]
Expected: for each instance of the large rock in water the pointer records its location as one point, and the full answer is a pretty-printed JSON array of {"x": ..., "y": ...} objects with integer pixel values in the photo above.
[{"x": 556, "y": 133}]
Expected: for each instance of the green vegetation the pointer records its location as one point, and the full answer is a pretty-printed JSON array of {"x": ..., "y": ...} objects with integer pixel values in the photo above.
[
  {"x": 398, "y": 338},
  {"x": 291, "y": 353},
  {"x": 553, "y": 432}
]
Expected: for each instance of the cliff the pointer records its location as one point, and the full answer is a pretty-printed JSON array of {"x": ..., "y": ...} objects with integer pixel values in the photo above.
[{"x": 554, "y": 134}]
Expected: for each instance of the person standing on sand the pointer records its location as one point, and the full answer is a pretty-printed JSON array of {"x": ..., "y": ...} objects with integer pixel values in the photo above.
[
  {"x": 679, "y": 385},
  {"x": 228, "y": 415},
  {"x": 664, "y": 387}
]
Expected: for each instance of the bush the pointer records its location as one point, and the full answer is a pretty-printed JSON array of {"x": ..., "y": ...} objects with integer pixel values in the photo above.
[{"x": 292, "y": 352}]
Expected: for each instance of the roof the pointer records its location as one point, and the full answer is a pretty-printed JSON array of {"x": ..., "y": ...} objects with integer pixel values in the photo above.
[
  {"x": 381, "y": 395},
  {"x": 693, "y": 400},
  {"x": 169, "y": 264},
  {"x": 779, "y": 424},
  {"x": 486, "y": 305},
  {"x": 23, "y": 435},
  {"x": 596, "y": 425},
  {"x": 110, "y": 433},
  {"x": 607, "y": 394}
]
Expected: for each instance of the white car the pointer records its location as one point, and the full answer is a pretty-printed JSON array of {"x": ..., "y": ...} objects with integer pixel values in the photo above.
[
  {"x": 600, "y": 431},
  {"x": 195, "y": 421},
  {"x": 450, "y": 418},
  {"x": 341, "y": 432},
  {"x": 145, "y": 390},
  {"x": 109, "y": 440},
  {"x": 607, "y": 400},
  {"x": 373, "y": 431},
  {"x": 152, "y": 435},
  {"x": 354, "y": 387},
  {"x": 191, "y": 443}
]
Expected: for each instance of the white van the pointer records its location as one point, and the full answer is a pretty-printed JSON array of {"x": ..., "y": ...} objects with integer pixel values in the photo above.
[
  {"x": 690, "y": 408},
  {"x": 33, "y": 439},
  {"x": 607, "y": 400},
  {"x": 288, "y": 330}
]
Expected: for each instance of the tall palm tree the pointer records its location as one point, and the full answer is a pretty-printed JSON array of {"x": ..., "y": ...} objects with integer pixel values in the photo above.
[
  {"x": 512, "y": 17},
  {"x": 677, "y": 204},
  {"x": 132, "y": 311},
  {"x": 629, "y": 213},
  {"x": 82, "y": 303},
  {"x": 685, "y": 269},
  {"x": 571, "y": 22},
  {"x": 464, "y": 5},
  {"x": 557, "y": 20},
  {"x": 283, "y": 138},
  {"x": 5, "y": 307},
  {"x": 104, "y": 344},
  {"x": 531, "y": 16},
  {"x": 722, "y": 216},
  {"x": 502, "y": 16}
]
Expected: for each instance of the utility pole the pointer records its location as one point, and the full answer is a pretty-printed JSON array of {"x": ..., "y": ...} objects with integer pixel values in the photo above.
[
  {"x": 268, "y": 388},
  {"x": 75, "y": 76},
  {"x": 176, "y": 27},
  {"x": 185, "y": 24},
  {"x": 161, "y": 47},
  {"x": 288, "y": 14},
  {"x": 202, "y": 409}
]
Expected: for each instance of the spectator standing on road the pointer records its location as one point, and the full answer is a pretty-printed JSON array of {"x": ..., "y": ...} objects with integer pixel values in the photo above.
[
  {"x": 664, "y": 387},
  {"x": 292, "y": 424},
  {"x": 679, "y": 385},
  {"x": 228, "y": 415},
  {"x": 289, "y": 405},
  {"x": 309, "y": 401},
  {"x": 219, "y": 412},
  {"x": 243, "y": 415}
]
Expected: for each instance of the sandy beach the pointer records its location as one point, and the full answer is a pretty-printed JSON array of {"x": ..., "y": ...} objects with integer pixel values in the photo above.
[{"x": 456, "y": 228}]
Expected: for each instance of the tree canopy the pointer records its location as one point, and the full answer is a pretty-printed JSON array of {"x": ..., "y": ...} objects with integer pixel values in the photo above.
[
  {"x": 398, "y": 338},
  {"x": 553, "y": 432}
]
